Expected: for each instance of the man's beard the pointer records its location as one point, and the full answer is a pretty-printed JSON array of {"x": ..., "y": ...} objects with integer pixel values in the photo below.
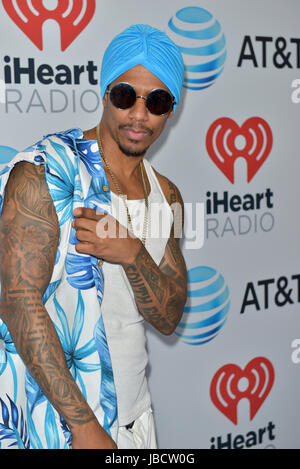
[{"x": 129, "y": 152}]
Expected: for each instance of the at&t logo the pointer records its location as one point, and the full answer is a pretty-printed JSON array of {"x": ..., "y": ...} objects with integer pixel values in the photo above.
[
  {"x": 207, "y": 307},
  {"x": 30, "y": 15},
  {"x": 202, "y": 43}
]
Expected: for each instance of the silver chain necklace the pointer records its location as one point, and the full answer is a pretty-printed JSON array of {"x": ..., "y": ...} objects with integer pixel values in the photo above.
[{"x": 123, "y": 196}]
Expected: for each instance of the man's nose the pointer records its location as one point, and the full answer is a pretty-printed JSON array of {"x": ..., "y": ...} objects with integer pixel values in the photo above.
[{"x": 139, "y": 110}]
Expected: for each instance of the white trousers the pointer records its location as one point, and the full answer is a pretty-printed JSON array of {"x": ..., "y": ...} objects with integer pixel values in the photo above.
[{"x": 140, "y": 436}]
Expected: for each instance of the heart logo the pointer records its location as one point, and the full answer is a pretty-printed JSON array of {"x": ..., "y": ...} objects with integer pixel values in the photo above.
[
  {"x": 226, "y": 141},
  {"x": 226, "y": 389},
  {"x": 72, "y": 17}
]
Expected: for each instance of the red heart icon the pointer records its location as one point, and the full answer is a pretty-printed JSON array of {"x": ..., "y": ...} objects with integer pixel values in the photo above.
[
  {"x": 71, "y": 17},
  {"x": 222, "y": 147},
  {"x": 225, "y": 391}
]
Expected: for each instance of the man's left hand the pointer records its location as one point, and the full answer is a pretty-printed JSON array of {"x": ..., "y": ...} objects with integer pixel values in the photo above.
[{"x": 102, "y": 236}]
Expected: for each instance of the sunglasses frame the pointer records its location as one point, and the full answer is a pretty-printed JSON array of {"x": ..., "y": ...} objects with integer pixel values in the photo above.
[{"x": 108, "y": 91}]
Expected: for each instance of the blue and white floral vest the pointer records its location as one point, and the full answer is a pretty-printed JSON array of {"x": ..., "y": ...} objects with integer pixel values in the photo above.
[{"x": 75, "y": 177}]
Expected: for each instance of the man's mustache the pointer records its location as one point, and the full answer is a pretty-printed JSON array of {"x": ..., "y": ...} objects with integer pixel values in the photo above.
[{"x": 136, "y": 127}]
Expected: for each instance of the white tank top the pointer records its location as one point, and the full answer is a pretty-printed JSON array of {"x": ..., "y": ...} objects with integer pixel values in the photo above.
[{"x": 123, "y": 323}]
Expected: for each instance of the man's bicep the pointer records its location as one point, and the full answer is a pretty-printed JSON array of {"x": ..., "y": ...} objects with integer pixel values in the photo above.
[
  {"x": 29, "y": 230},
  {"x": 173, "y": 263},
  {"x": 174, "y": 199}
]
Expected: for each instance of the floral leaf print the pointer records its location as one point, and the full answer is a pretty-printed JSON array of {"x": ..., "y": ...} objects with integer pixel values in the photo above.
[
  {"x": 63, "y": 180},
  {"x": 70, "y": 340},
  {"x": 7, "y": 349},
  {"x": 67, "y": 433},
  {"x": 80, "y": 271},
  {"x": 13, "y": 426},
  {"x": 51, "y": 432},
  {"x": 50, "y": 290},
  {"x": 108, "y": 396}
]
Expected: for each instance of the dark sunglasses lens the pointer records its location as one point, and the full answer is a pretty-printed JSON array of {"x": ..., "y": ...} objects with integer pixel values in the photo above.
[
  {"x": 159, "y": 102},
  {"x": 123, "y": 96}
]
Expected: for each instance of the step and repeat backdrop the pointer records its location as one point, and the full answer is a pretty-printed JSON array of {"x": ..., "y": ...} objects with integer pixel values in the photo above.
[{"x": 230, "y": 375}]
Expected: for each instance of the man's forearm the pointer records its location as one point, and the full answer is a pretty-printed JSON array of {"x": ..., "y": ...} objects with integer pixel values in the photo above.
[
  {"x": 160, "y": 292},
  {"x": 38, "y": 344}
]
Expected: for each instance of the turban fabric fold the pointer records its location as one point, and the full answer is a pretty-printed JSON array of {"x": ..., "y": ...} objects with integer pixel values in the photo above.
[{"x": 147, "y": 46}]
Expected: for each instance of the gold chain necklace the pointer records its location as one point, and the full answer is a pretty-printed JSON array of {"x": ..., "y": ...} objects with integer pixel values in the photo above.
[{"x": 123, "y": 196}]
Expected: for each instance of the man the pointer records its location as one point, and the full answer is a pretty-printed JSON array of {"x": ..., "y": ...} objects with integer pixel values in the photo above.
[{"x": 57, "y": 386}]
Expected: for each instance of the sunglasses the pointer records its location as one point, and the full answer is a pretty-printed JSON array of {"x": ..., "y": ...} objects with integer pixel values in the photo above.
[{"x": 158, "y": 101}]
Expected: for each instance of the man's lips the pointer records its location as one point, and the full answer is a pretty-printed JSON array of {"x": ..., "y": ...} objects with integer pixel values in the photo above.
[{"x": 136, "y": 133}]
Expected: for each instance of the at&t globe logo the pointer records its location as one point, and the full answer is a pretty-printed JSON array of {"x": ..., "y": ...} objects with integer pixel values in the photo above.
[
  {"x": 207, "y": 307},
  {"x": 202, "y": 43}
]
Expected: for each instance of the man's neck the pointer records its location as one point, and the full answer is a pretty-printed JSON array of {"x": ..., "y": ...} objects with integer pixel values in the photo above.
[
  {"x": 125, "y": 168},
  {"x": 119, "y": 162}
]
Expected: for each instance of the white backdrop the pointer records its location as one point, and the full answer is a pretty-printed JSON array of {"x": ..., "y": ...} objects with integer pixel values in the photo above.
[{"x": 244, "y": 278}]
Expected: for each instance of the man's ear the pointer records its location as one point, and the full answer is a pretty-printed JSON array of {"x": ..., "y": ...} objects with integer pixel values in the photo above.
[
  {"x": 104, "y": 101},
  {"x": 171, "y": 114}
]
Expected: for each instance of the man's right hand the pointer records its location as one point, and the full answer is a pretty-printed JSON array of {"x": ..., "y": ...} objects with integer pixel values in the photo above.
[{"x": 91, "y": 436}]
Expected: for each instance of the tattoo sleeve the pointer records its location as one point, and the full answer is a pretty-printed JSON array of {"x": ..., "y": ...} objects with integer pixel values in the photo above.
[
  {"x": 29, "y": 234},
  {"x": 160, "y": 291}
]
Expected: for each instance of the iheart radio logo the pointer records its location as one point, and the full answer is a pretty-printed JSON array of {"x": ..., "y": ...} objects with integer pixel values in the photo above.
[
  {"x": 226, "y": 389},
  {"x": 30, "y": 15},
  {"x": 226, "y": 141}
]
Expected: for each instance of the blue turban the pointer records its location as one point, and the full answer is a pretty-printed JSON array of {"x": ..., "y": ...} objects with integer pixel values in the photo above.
[{"x": 147, "y": 46}]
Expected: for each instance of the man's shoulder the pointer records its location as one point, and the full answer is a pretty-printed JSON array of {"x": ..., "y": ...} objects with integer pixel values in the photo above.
[
  {"x": 67, "y": 139},
  {"x": 65, "y": 135},
  {"x": 54, "y": 148},
  {"x": 71, "y": 134},
  {"x": 58, "y": 151}
]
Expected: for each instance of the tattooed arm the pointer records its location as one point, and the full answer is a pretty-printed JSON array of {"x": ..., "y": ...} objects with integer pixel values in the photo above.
[
  {"x": 29, "y": 234},
  {"x": 160, "y": 291}
]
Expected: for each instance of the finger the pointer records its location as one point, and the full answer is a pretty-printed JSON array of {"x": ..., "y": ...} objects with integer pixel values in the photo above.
[
  {"x": 85, "y": 236},
  {"x": 85, "y": 212},
  {"x": 84, "y": 248},
  {"x": 84, "y": 224}
]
